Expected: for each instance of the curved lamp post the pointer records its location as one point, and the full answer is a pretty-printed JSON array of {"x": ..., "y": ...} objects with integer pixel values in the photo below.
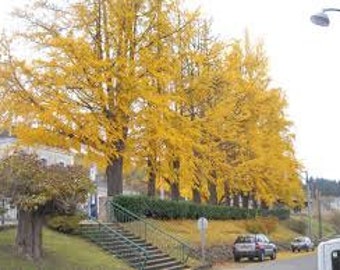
[{"x": 322, "y": 18}]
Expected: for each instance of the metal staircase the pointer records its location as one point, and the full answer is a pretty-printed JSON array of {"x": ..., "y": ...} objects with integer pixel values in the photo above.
[
  {"x": 114, "y": 242},
  {"x": 143, "y": 245}
]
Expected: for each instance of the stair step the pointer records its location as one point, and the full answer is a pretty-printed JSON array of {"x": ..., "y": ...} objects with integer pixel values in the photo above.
[
  {"x": 152, "y": 257},
  {"x": 120, "y": 239},
  {"x": 157, "y": 261},
  {"x": 103, "y": 234},
  {"x": 178, "y": 267},
  {"x": 122, "y": 244},
  {"x": 163, "y": 265}
]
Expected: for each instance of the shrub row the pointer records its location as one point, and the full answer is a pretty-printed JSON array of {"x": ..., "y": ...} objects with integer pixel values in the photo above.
[{"x": 164, "y": 209}]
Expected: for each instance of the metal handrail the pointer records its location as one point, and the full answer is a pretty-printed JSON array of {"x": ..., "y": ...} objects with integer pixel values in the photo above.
[
  {"x": 170, "y": 244},
  {"x": 141, "y": 251}
]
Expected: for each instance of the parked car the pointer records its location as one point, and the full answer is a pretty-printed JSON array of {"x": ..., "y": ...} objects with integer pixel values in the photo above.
[
  {"x": 253, "y": 245},
  {"x": 302, "y": 243}
]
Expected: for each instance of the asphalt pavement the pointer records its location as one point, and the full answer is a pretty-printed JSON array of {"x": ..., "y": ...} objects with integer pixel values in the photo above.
[{"x": 307, "y": 262}]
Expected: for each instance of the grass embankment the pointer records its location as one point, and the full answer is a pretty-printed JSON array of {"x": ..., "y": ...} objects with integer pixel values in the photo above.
[
  {"x": 220, "y": 232},
  {"x": 60, "y": 252},
  {"x": 328, "y": 230}
]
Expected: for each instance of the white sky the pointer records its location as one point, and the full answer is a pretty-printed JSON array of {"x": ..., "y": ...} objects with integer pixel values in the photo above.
[{"x": 304, "y": 61}]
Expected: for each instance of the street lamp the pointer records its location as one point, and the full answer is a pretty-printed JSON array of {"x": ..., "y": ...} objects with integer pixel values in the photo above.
[{"x": 322, "y": 18}]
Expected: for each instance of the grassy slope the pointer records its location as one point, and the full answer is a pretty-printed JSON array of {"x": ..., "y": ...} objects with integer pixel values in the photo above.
[
  {"x": 220, "y": 232},
  {"x": 61, "y": 252}
]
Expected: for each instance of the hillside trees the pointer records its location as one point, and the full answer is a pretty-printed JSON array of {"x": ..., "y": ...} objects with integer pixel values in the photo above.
[
  {"x": 250, "y": 128},
  {"x": 146, "y": 84}
]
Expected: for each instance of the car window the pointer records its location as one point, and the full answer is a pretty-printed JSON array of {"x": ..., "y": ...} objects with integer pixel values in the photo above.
[
  {"x": 245, "y": 239},
  {"x": 260, "y": 238},
  {"x": 299, "y": 239},
  {"x": 266, "y": 239}
]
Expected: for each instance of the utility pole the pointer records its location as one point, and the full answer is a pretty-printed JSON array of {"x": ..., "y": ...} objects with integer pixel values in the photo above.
[
  {"x": 309, "y": 205},
  {"x": 319, "y": 213},
  {"x": 3, "y": 214}
]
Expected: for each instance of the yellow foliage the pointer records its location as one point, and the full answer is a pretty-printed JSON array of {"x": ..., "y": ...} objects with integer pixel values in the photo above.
[{"x": 147, "y": 82}]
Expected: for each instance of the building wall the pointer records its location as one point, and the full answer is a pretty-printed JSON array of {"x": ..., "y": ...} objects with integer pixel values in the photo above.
[{"x": 50, "y": 154}]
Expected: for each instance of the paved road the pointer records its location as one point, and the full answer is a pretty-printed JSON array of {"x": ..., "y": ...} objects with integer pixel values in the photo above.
[
  {"x": 300, "y": 263},
  {"x": 308, "y": 262}
]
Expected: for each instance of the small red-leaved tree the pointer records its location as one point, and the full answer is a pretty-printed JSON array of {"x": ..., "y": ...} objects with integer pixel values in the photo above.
[{"x": 38, "y": 190}]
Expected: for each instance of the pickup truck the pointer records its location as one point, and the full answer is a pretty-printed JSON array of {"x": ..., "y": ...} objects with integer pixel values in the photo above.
[{"x": 329, "y": 255}]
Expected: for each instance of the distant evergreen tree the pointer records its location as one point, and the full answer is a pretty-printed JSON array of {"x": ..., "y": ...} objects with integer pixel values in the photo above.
[{"x": 327, "y": 187}]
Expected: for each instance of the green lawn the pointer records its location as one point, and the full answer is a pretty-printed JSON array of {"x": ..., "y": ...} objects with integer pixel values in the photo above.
[{"x": 60, "y": 252}]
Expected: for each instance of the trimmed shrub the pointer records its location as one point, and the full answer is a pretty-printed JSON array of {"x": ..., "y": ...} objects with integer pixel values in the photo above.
[
  {"x": 165, "y": 209},
  {"x": 265, "y": 225},
  {"x": 64, "y": 223},
  {"x": 298, "y": 226}
]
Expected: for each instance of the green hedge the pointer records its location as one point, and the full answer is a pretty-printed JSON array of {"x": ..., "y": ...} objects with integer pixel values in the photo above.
[{"x": 164, "y": 209}]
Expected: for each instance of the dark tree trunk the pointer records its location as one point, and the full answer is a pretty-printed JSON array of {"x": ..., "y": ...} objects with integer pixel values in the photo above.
[
  {"x": 174, "y": 191},
  {"x": 212, "y": 189},
  {"x": 254, "y": 202},
  {"x": 29, "y": 234},
  {"x": 212, "y": 193},
  {"x": 264, "y": 206},
  {"x": 245, "y": 201},
  {"x": 236, "y": 200},
  {"x": 196, "y": 195},
  {"x": 114, "y": 176},
  {"x": 151, "y": 180},
  {"x": 227, "y": 198},
  {"x": 174, "y": 186}
]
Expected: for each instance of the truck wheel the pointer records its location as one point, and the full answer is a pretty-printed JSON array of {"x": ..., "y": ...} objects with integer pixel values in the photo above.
[
  {"x": 273, "y": 256},
  {"x": 236, "y": 258},
  {"x": 261, "y": 256}
]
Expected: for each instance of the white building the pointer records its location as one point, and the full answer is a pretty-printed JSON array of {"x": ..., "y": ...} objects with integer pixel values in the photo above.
[{"x": 49, "y": 154}]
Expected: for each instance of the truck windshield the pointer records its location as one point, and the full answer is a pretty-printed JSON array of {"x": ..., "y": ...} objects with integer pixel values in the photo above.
[
  {"x": 336, "y": 260},
  {"x": 299, "y": 239},
  {"x": 245, "y": 239}
]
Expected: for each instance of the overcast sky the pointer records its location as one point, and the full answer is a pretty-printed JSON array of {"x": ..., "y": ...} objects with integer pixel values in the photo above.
[{"x": 304, "y": 61}]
